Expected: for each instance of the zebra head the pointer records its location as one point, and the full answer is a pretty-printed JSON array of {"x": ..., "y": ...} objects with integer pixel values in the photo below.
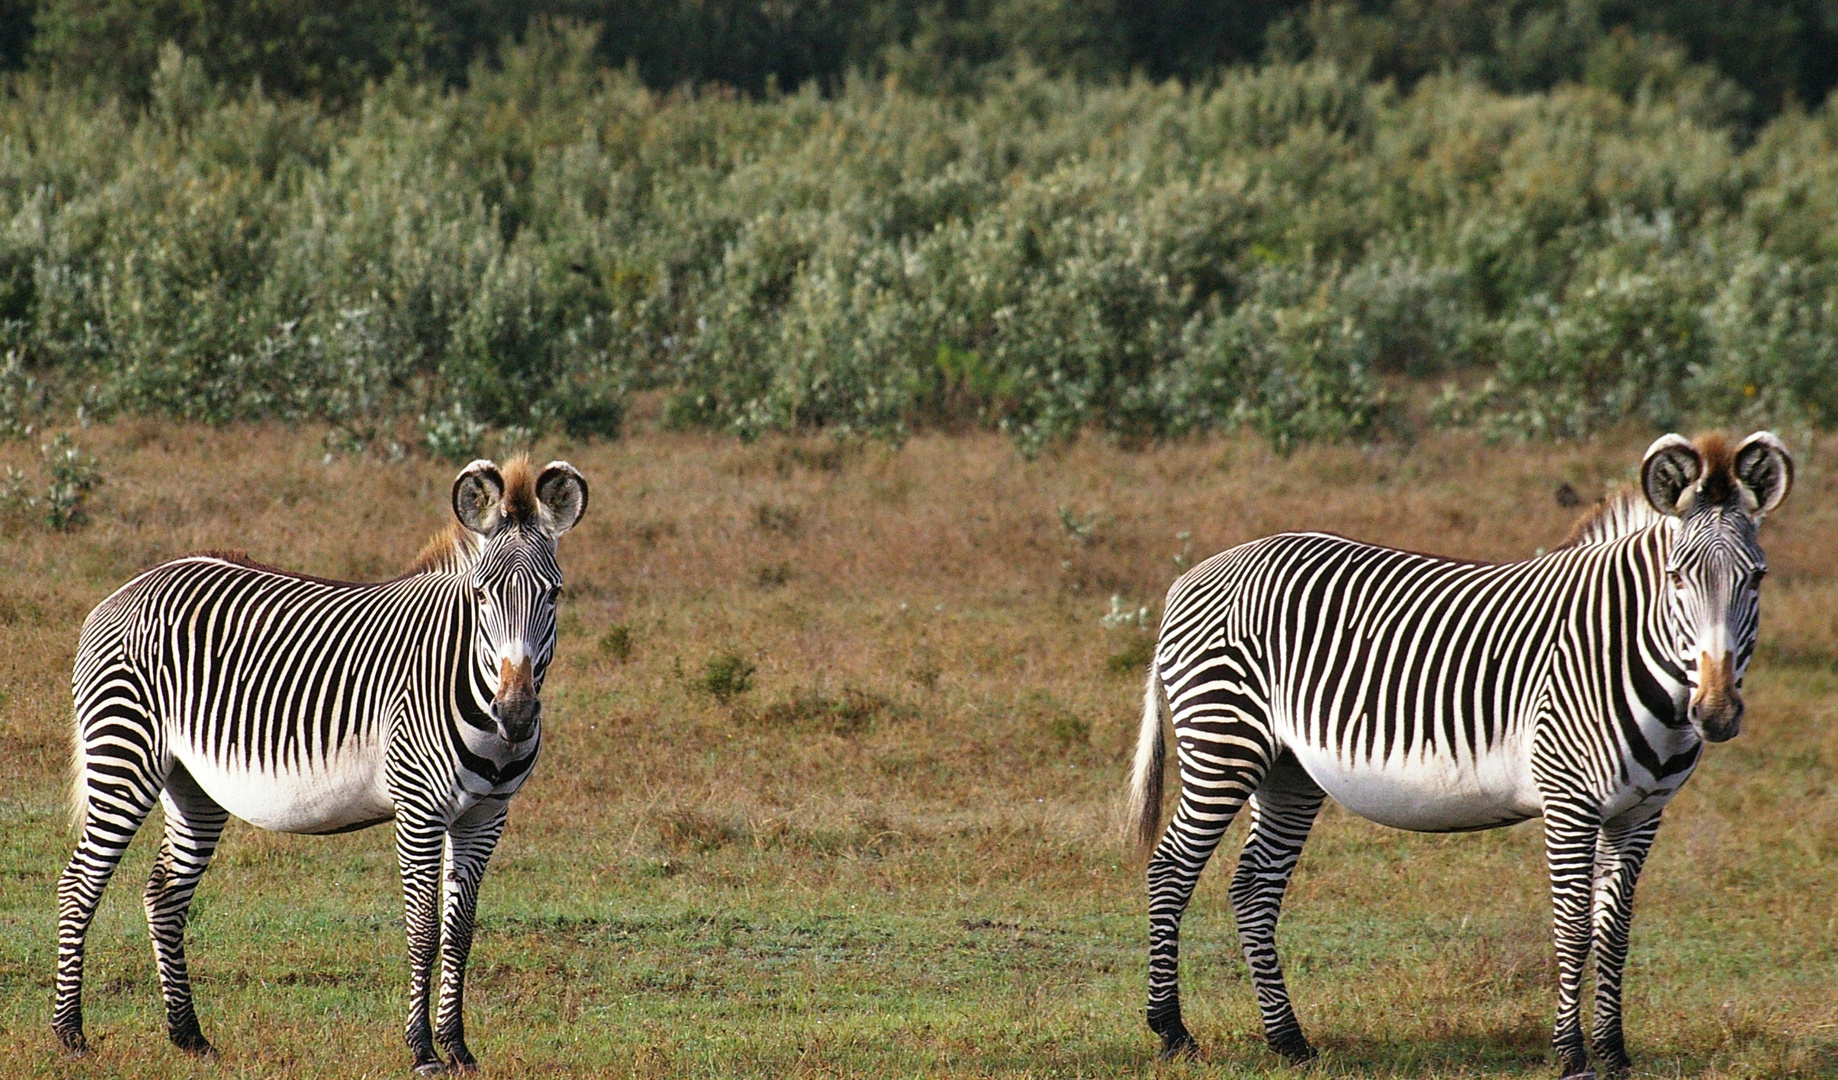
[
  {"x": 1712, "y": 591},
  {"x": 515, "y": 517}
]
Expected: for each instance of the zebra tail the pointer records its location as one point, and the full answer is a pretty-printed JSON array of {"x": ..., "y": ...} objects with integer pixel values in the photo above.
[
  {"x": 1143, "y": 820},
  {"x": 79, "y": 777}
]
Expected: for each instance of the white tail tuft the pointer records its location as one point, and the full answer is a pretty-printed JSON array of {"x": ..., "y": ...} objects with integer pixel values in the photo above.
[
  {"x": 1143, "y": 819},
  {"x": 79, "y": 778}
]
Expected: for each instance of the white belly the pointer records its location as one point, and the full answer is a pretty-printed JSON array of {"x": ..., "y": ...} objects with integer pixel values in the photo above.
[
  {"x": 1426, "y": 794},
  {"x": 353, "y": 792}
]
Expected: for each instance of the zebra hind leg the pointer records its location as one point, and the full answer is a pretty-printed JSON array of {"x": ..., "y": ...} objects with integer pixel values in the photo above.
[
  {"x": 194, "y": 822},
  {"x": 116, "y": 790},
  {"x": 469, "y": 847},
  {"x": 1213, "y": 787},
  {"x": 1282, "y": 813}
]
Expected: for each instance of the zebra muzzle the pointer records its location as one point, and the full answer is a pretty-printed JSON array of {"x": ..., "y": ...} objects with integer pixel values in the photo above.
[
  {"x": 515, "y": 706},
  {"x": 1716, "y": 705}
]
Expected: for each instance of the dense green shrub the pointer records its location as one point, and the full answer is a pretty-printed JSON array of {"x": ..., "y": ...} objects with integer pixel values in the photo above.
[{"x": 1292, "y": 248}]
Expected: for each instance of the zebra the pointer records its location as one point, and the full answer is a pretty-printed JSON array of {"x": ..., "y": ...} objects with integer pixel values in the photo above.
[
  {"x": 218, "y": 686},
  {"x": 1441, "y": 695}
]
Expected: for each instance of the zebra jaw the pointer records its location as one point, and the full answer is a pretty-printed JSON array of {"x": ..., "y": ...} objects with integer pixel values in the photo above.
[{"x": 1716, "y": 704}]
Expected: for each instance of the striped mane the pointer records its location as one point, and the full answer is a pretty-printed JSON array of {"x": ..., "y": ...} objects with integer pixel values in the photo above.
[
  {"x": 1621, "y": 512},
  {"x": 453, "y": 549},
  {"x": 449, "y": 551}
]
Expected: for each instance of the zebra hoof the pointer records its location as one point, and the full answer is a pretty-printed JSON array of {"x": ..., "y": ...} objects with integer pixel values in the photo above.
[
  {"x": 431, "y": 1068},
  {"x": 467, "y": 1064},
  {"x": 1179, "y": 1046},
  {"x": 73, "y": 1042},
  {"x": 1586, "y": 1074},
  {"x": 194, "y": 1043},
  {"x": 1295, "y": 1051}
]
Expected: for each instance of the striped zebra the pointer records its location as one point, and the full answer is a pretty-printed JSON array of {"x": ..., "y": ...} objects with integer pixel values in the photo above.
[
  {"x": 1441, "y": 695},
  {"x": 218, "y": 686}
]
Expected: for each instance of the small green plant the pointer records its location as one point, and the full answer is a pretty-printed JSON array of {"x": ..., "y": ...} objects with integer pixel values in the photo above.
[
  {"x": 617, "y": 642},
  {"x": 1120, "y": 616},
  {"x": 1182, "y": 558},
  {"x": 1069, "y": 731},
  {"x": 726, "y": 676},
  {"x": 1133, "y": 658},
  {"x": 1081, "y": 531},
  {"x": 69, "y": 474}
]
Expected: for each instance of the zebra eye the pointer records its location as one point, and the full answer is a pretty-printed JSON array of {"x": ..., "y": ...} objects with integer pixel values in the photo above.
[
  {"x": 1677, "y": 579},
  {"x": 478, "y": 594},
  {"x": 555, "y": 594},
  {"x": 1756, "y": 575}
]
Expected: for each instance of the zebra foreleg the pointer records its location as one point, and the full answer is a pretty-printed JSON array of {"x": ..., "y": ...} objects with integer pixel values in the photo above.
[
  {"x": 469, "y": 846},
  {"x": 1570, "y": 831},
  {"x": 1213, "y": 786},
  {"x": 420, "y": 843},
  {"x": 1621, "y": 850},
  {"x": 1282, "y": 813},
  {"x": 194, "y": 822},
  {"x": 117, "y": 790}
]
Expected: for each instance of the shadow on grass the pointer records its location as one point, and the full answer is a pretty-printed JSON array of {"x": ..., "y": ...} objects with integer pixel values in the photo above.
[{"x": 1518, "y": 1050}]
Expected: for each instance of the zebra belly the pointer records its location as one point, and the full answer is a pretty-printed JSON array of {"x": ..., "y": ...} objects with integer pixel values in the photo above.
[
  {"x": 1425, "y": 794},
  {"x": 350, "y": 791}
]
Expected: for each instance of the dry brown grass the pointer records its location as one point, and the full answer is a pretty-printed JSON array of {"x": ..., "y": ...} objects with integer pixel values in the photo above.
[{"x": 935, "y": 738}]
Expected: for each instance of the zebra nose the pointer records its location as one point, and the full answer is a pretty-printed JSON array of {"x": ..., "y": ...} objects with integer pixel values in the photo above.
[
  {"x": 515, "y": 706},
  {"x": 1716, "y": 706}
]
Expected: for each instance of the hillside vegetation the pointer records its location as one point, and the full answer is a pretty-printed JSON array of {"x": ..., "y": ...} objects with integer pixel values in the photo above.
[{"x": 1291, "y": 248}]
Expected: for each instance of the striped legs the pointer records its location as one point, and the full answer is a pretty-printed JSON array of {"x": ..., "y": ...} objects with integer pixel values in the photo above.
[
  {"x": 119, "y": 787},
  {"x": 1282, "y": 813},
  {"x": 420, "y": 845},
  {"x": 469, "y": 846},
  {"x": 1570, "y": 834},
  {"x": 194, "y": 822},
  {"x": 1621, "y": 849},
  {"x": 1224, "y": 754}
]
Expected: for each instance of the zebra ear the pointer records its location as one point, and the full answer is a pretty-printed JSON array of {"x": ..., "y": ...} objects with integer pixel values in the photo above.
[
  {"x": 478, "y": 497},
  {"x": 1765, "y": 470},
  {"x": 1670, "y": 472},
  {"x": 562, "y": 491}
]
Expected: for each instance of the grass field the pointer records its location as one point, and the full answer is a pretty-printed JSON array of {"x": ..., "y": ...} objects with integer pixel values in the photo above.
[{"x": 893, "y": 854}]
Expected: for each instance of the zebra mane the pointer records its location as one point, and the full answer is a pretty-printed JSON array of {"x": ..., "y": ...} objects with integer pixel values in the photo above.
[
  {"x": 1621, "y": 512},
  {"x": 453, "y": 549},
  {"x": 449, "y": 551}
]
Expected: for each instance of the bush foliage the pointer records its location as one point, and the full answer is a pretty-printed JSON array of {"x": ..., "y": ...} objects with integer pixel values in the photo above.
[{"x": 1292, "y": 247}]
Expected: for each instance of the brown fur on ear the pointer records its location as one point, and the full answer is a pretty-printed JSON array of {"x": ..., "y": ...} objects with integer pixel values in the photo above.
[
  {"x": 519, "y": 490},
  {"x": 1718, "y": 484}
]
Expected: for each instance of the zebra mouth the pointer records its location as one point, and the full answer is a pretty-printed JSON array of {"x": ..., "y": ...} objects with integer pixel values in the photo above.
[{"x": 516, "y": 717}]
